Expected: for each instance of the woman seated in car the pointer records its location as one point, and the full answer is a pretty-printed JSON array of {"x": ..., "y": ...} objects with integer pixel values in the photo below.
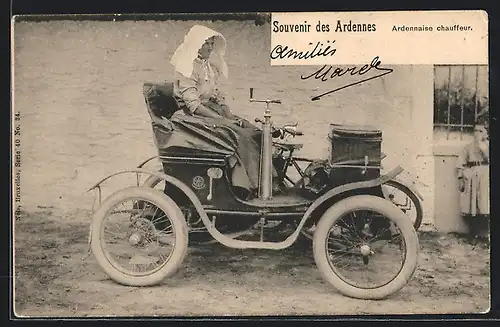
[{"x": 200, "y": 67}]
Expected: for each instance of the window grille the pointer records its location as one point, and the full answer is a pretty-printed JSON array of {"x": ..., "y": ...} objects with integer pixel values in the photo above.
[{"x": 460, "y": 93}]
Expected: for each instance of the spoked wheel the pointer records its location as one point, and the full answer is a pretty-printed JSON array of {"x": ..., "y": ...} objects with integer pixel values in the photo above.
[
  {"x": 366, "y": 247},
  {"x": 139, "y": 236},
  {"x": 405, "y": 199}
]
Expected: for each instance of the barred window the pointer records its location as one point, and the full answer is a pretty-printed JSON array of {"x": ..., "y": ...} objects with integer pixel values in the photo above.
[{"x": 460, "y": 93}]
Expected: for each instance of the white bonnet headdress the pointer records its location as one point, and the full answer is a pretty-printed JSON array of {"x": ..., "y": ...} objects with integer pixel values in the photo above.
[{"x": 187, "y": 52}]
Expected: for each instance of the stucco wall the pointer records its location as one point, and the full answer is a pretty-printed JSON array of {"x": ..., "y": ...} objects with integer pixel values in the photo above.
[{"x": 78, "y": 88}]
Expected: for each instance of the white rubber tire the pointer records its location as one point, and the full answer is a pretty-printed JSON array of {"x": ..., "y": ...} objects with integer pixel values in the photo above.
[
  {"x": 389, "y": 210},
  {"x": 179, "y": 226},
  {"x": 152, "y": 181}
]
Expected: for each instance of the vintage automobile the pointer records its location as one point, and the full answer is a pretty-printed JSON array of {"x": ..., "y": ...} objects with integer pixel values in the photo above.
[{"x": 364, "y": 245}]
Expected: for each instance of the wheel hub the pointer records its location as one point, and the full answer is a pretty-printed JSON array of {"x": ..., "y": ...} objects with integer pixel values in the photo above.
[
  {"x": 141, "y": 229},
  {"x": 136, "y": 238},
  {"x": 365, "y": 250}
]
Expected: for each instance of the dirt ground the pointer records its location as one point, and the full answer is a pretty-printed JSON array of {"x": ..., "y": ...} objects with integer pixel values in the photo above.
[{"x": 55, "y": 276}]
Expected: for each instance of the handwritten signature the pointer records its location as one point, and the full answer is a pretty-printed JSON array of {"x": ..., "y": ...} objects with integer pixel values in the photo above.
[{"x": 325, "y": 73}]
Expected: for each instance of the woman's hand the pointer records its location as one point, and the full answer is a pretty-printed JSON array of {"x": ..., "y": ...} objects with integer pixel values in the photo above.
[
  {"x": 461, "y": 184},
  {"x": 238, "y": 122},
  {"x": 227, "y": 112}
]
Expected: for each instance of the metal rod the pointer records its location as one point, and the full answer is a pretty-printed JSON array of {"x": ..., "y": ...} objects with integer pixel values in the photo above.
[
  {"x": 299, "y": 170},
  {"x": 454, "y": 125},
  {"x": 449, "y": 103},
  {"x": 100, "y": 194},
  {"x": 252, "y": 213},
  {"x": 262, "y": 223},
  {"x": 288, "y": 179},
  {"x": 462, "y": 102},
  {"x": 476, "y": 102},
  {"x": 287, "y": 164},
  {"x": 146, "y": 161},
  {"x": 191, "y": 158},
  {"x": 355, "y": 166},
  {"x": 304, "y": 159}
]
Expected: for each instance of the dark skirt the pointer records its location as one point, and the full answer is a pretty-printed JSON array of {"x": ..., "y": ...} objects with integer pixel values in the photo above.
[{"x": 248, "y": 145}]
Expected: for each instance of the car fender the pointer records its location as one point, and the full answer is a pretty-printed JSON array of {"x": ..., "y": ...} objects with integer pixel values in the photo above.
[
  {"x": 410, "y": 186},
  {"x": 167, "y": 178},
  {"x": 349, "y": 187}
]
